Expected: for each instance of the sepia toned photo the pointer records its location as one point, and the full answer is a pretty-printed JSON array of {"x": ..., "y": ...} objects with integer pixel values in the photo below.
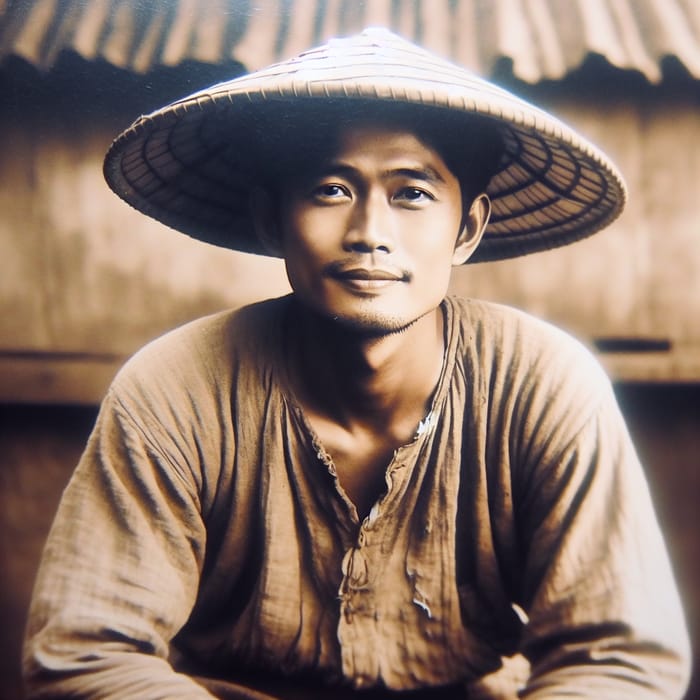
[{"x": 349, "y": 349}]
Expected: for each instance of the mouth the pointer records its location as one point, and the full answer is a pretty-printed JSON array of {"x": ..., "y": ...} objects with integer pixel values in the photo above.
[
  {"x": 369, "y": 274},
  {"x": 367, "y": 278}
]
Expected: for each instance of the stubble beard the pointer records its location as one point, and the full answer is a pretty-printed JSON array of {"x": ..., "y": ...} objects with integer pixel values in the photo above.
[{"x": 371, "y": 325}]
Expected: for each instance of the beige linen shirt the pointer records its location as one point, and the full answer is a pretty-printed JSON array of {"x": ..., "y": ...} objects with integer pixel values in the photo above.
[{"x": 205, "y": 529}]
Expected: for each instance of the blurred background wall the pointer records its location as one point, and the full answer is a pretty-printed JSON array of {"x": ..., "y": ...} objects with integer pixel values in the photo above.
[{"x": 85, "y": 281}]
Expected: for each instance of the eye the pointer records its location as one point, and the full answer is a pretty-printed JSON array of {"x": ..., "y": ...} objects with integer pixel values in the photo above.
[
  {"x": 413, "y": 196},
  {"x": 330, "y": 192}
]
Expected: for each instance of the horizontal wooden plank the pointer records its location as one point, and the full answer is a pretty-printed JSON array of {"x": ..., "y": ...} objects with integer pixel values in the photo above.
[
  {"x": 83, "y": 379},
  {"x": 79, "y": 380},
  {"x": 679, "y": 366}
]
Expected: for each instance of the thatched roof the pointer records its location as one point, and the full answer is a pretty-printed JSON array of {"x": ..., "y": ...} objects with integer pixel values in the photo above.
[{"x": 544, "y": 39}]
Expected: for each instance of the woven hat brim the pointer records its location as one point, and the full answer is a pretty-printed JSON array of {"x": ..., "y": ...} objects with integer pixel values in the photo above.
[{"x": 180, "y": 165}]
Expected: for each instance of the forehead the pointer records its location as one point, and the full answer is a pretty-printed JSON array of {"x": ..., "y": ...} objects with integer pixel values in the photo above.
[
  {"x": 379, "y": 148},
  {"x": 381, "y": 142}
]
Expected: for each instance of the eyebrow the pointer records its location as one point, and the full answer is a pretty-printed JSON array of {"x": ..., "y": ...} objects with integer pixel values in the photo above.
[{"x": 424, "y": 173}]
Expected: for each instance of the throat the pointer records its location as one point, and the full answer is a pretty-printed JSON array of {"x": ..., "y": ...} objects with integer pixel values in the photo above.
[
  {"x": 365, "y": 400},
  {"x": 381, "y": 382},
  {"x": 361, "y": 466}
]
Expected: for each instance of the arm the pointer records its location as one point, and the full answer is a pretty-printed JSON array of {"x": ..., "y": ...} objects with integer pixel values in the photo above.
[
  {"x": 120, "y": 571},
  {"x": 605, "y": 620}
]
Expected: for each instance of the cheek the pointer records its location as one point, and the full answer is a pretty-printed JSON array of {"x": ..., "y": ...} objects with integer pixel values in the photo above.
[
  {"x": 310, "y": 230},
  {"x": 433, "y": 240},
  {"x": 303, "y": 247}
]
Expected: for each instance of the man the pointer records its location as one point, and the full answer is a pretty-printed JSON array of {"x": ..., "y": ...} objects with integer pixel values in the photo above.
[{"x": 366, "y": 487}]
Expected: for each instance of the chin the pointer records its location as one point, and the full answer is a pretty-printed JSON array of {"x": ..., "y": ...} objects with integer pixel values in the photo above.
[{"x": 371, "y": 324}]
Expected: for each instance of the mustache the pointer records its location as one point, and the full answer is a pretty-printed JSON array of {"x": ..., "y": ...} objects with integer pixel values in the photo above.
[{"x": 363, "y": 267}]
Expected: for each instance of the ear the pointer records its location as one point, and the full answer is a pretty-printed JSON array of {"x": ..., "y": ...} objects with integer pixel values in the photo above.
[
  {"x": 265, "y": 223},
  {"x": 473, "y": 226}
]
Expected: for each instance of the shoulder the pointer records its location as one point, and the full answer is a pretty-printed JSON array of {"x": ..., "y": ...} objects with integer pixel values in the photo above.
[
  {"x": 181, "y": 394},
  {"x": 507, "y": 322},
  {"x": 202, "y": 355},
  {"x": 517, "y": 359},
  {"x": 508, "y": 336}
]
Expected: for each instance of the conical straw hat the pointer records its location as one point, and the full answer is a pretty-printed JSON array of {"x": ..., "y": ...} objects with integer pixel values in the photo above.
[{"x": 188, "y": 164}]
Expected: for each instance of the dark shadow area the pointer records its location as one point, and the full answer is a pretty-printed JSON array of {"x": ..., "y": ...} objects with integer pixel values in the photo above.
[
  {"x": 100, "y": 89},
  {"x": 664, "y": 421},
  {"x": 40, "y": 446}
]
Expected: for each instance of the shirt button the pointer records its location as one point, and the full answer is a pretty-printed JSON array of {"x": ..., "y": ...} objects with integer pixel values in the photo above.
[{"x": 347, "y": 612}]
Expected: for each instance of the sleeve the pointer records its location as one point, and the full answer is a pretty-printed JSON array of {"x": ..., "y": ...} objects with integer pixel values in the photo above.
[
  {"x": 120, "y": 572},
  {"x": 604, "y": 616}
]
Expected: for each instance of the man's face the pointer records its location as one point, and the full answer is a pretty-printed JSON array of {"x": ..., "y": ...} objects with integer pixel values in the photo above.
[{"x": 369, "y": 236}]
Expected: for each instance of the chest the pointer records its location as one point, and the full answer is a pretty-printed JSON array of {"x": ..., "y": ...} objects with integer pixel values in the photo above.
[
  {"x": 379, "y": 598},
  {"x": 360, "y": 457}
]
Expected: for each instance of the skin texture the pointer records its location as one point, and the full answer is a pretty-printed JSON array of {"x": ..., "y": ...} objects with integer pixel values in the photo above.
[{"x": 369, "y": 236}]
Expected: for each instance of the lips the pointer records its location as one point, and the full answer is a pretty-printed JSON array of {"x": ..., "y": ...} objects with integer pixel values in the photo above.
[
  {"x": 369, "y": 274},
  {"x": 364, "y": 277}
]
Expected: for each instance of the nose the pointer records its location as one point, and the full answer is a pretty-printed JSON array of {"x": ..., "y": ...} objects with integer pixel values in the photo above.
[{"x": 370, "y": 228}]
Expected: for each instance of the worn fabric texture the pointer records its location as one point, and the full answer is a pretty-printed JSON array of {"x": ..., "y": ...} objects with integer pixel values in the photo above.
[{"x": 205, "y": 541}]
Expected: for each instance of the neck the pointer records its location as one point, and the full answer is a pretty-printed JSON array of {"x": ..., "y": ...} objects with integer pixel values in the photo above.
[{"x": 378, "y": 382}]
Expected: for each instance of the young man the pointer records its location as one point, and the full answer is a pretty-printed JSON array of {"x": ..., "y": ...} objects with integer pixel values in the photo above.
[{"x": 365, "y": 487}]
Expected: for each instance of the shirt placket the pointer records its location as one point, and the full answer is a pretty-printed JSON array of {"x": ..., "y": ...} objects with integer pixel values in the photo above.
[{"x": 362, "y": 567}]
